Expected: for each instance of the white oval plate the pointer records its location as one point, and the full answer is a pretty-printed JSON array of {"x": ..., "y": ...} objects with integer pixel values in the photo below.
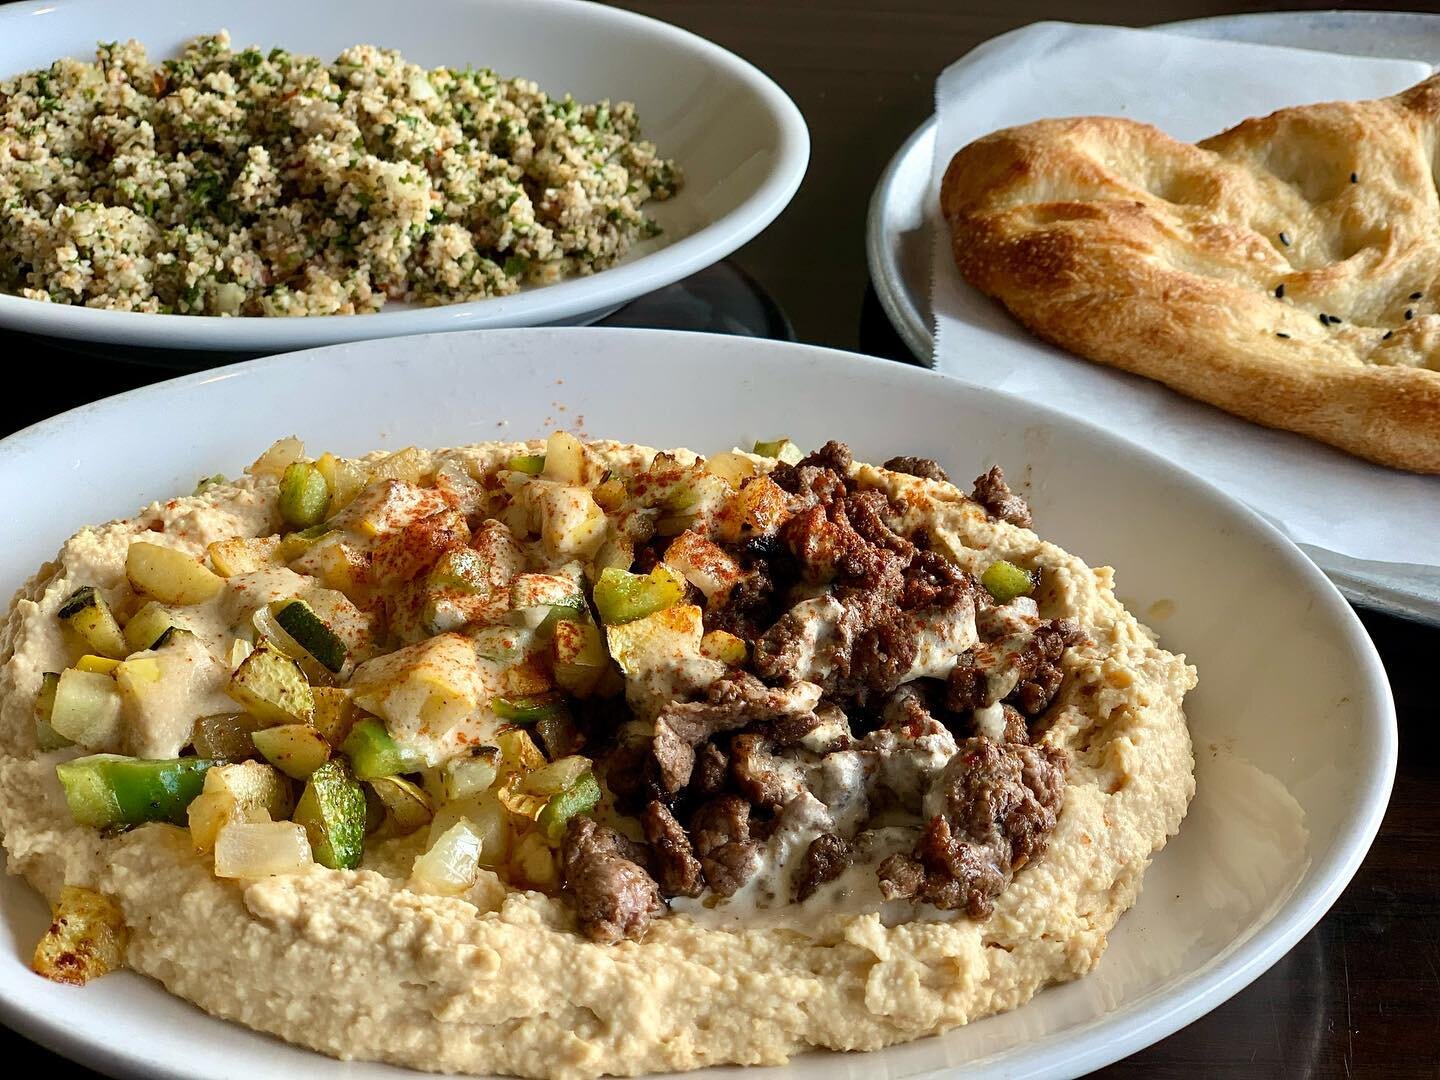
[
  {"x": 902, "y": 221},
  {"x": 1293, "y": 723},
  {"x": 740, "y": 140}
]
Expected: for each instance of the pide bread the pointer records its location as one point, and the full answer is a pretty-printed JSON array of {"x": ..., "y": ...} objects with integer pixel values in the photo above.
[{"x": 1286, "y": 270}]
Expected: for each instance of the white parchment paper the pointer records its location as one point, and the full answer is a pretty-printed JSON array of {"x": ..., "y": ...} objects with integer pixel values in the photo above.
[{"x": 1190, "y": 88}]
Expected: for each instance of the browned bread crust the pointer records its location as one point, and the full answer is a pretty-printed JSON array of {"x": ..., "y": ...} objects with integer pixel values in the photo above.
[{"x": 1270, "y": 270}]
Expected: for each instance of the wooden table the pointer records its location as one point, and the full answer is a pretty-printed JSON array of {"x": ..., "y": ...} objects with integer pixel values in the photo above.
[{"x": 1360, "y": 995}]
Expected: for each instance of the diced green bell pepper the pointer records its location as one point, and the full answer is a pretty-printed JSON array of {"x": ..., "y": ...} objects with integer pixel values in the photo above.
[
  {"x": 373, "y": 753},
  {"x": 623, "y": 597},
  {"x": 530, "y": 464},
  {"x": 579, "y": 798},
  {"x": 107, "y": 790},
  {"x": 529, "y": 710}
]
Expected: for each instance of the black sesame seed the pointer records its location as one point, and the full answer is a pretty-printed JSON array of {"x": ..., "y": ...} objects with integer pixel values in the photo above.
[
  {"x": 1409, "y": 314},
  {"x": 1281, "y": 333},
  {"x": 1388, "y": 335},
  {"x": 1280, "y": 291},
  {"x": 1354, "y": 178},
  {"x": 1285, "y": 239},
  {"x": 1416, "y": 295}
]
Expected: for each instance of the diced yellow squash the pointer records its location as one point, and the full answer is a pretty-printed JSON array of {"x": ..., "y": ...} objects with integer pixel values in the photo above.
[
  {"x": 168, "y": 575},
  {"x": 611, "y": 493},
  {"x": 423, "y": 691},
  {"x": 86, "y": 939},
  {"x": 406, "y": 805},
  {"x": 243, "y": 554},
  {"x": 246, "y": 791},
  {"x": 572, "y": 524},
  {"x": 409, "y": 464},
  {"x": 334, "y": 713},
  {"x": 705, "y": 564},
  {"x": 668, "y": 635},
  {"x": 345, "y": 478},
  {"x": 733, "y": 468},
  {"x": 725, "y": 647},
  {"x": 101, "y": 665},
  {"x": 86, "y": 612},
  {"x": 564, "y": 459},
  {"x": 146, "y": 626},
  {"x": 297, "y": 750}
]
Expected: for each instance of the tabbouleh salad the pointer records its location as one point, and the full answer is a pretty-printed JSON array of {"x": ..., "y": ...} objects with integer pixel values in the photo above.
[{"x": 254, "y": 183}]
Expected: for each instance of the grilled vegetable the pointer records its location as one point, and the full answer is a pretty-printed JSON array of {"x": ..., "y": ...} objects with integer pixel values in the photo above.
[
  {"x": 281, "y": 454},
  {"x": 256, "y": 849},
  {"x": 304, "y": 496},
  {"x": 224, "y": 736},
  {"x": 86, "y": 612},
  {"x": 530, "y": 464},
  {"x": 345, "y": 479},
  {"x": 248, "y": 791},
  {"x": 622, "y": 597},
  {"x": 86, "y": 709},
  {"x": 564, "y": 458},
  {"x": 272, "y": 688},
  {"x": 464, "y": 777},
  {"x": 527, "y": 710},
  {"x": 1005, "y": 581},
  {"x": 332, "y": 811},
  {"x": 243, "y": 555},
  {"x": 579, "y": 798},
  {"x": 334, "y": 713},
  {"x": 781, "y": 448},
  {"x": 406, "y": 805},
  {"x": 99, "y": 665},
  {"x": 295, "y": 749},
  {"x": 452, "y": 862},
  {"x": 408, "y": 464},
  {"x": 46, "y": 737},
  {"x": 373, "y": 753},
  {"x": 168, "y": 575},
  {"x": 558, "y": 735},
  {"x": 147, "y": 626},
  {"x": 579, "y": 656},
  {"x": 311, "y": 633},
  {"x": 86, "y": 939},
  {"x": 107, "y": 790},
  {"x": 722, "y": 646}
]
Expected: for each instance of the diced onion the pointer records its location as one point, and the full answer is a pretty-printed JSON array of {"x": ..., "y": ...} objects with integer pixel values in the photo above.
[
  {"x": 256, "y": 849},
  {"x": 452, "y": 863},
  {"x": 469, "y": 776},
  {"x": 557, "y": 776}
]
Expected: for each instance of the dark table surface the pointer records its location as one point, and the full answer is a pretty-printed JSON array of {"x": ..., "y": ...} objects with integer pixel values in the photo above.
[{"x": 1360, "y": 994}]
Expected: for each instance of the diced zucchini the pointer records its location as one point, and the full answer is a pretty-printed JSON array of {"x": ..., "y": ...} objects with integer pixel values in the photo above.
[
  {"x": 253, "y": 785},
  {"x": 87, "y": 709},
  {"x": 89, "y": 616},
  {"x": 293, "y": 545},
  {"x": 334, "y": 713},
  {"x": 1005, "y": 581},
  {"x": 100, "y": 665},
  {"x": 580, "y": 798},
  {"x": 406, "y": 805},
  {"x": 205, "y": 483},
  {"x": 297, "y": 750},
  {"x": 332, "y": 810},
  {"x": 298, "y": 619},
  {"x": 271, "y": 687},
  {"x": 147, "y": 626},
  {"x": 245, "y": 554},
  {"x": 304, "y": 496},
  {"x": 529, "y": 709},
  {"x": 373, "y": 753},
  {"x": 46, "y": 737},
  {"x": 530, "y": 464},
  {"x": 223, "y": 737},
  {"x": 564, "y": 458},
  {"x": 781, "y": 448},
  {"x": 622, "y": 597},
  {"x": 107, "y": 790},
  {"x": 168, "y": 575},
  {"x": 462, "y": 569}
]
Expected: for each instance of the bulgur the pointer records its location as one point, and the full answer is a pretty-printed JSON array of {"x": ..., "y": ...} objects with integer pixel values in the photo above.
[{"x": 252, "y": 183}]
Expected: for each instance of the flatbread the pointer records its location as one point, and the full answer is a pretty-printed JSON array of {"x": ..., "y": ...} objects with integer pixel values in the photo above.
[{"x": 1286, "y": 270}]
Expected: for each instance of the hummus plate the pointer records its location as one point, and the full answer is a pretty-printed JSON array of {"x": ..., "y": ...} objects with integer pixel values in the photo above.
[{"x": 1292, "y": 769}]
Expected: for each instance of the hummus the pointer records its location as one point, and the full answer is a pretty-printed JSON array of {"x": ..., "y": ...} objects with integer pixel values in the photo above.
[{"x": 653, "y": 761}]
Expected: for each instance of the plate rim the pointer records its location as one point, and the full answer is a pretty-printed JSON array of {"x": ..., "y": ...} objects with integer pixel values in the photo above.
[
  {"x": 576, "y": 298},
  {"x": 913, "y": 323},
  {"x": 1094, "y": 1043}
]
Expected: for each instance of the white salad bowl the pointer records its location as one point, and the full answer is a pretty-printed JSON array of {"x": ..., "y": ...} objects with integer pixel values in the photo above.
[
  {"x": 1293, "y": 723},
  {"x": 740, "y": 141}
]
